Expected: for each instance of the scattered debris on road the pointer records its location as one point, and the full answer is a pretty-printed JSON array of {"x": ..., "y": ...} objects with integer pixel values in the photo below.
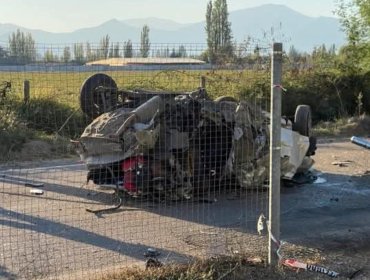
[
  {"x": 253, "y": 261},
  {"x": 151, "y": 253},
  {"x": 361, "y": 142},
  {"x": 320, "y": 180},
  {"x": 109, "y": 209},
  {"x": 342, "y": 163},
  {"x": 293, "y": 263},
  {"x": 36, "y": 191},
  {"x": 34, "y": 185}
]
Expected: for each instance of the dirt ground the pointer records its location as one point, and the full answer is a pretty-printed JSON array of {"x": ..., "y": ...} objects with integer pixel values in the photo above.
[{"x": 52, "y": 236}]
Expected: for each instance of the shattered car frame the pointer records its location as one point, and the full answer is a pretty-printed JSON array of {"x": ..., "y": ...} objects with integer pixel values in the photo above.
[{"x": 179, "y": 144}]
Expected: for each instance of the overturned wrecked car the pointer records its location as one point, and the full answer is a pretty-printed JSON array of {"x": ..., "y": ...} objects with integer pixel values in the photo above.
[{"x": 179, "y": 144}]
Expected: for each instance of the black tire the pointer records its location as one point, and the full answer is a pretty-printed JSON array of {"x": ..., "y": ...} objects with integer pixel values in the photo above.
[
  {"x": 313, "y": 146},
  {"x": 225, "y": 99},
  {"x": 90, "y": 101},
  {"x": 303, "y": 120}
]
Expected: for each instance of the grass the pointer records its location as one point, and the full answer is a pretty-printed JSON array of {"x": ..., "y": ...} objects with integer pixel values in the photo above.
[
  {"x": 55, "y": 98},
  {"x": 343, "y": 127},
  {"x": 332, "y": 128},
  {"x": 220, "y": 268},
  {"x": 64, "y": 86}
]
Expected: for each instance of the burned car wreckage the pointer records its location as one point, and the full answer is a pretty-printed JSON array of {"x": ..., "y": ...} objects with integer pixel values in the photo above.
[{"x": 178, "y": 144}]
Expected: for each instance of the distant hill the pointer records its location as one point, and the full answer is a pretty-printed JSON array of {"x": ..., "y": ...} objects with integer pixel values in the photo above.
[
  {"x": 157, "y": 23},
  {"x": 263, "y": 22}
]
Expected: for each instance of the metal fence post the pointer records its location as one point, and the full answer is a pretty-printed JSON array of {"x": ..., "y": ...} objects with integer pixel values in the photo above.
[
  {"x": 202, "y": 82},
  {"x": 26, "y": 91},
  {"x": 275, "y": 150}
]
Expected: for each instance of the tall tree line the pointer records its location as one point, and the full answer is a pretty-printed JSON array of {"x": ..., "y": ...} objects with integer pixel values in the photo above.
[
  {"x": 22, "y": 47},
  {"x": 22, "y": 50},
  {"x": 218, "y": 30}
]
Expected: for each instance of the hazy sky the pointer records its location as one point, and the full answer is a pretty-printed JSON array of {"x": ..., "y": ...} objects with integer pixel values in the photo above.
[{"x": 68, "y": 15}]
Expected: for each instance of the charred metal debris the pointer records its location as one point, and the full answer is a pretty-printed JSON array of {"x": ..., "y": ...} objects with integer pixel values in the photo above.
[{"x": 177, "y": 145}]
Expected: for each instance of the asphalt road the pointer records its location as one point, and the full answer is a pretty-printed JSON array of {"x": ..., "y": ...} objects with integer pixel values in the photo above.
[{"x": 53, "y": 236}]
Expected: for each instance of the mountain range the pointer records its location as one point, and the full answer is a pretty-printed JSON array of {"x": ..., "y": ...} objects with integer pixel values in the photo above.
[{"x": 266, "y": 23}]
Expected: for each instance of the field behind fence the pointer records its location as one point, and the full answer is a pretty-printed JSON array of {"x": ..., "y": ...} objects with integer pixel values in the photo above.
[{"x": 195, "y": 198}]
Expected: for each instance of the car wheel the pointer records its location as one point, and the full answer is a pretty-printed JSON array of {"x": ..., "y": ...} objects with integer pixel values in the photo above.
[
  {"x": 98, "y": 94},
  {"x": 313, "y": 146},
  {"x": 303, "y": 120}
]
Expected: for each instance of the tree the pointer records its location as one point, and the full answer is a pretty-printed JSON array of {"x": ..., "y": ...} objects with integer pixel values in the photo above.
[
  {"x": 209, "y": 27},
  {"x": 49, "y": 56},
  {"x": 218, "y": 29},
  {"x": 116, "y": 50},
  {"x": 104, "y": 47},
  {"x": 127, "y": 49},
  {"x": 78, "y": 52},
  {"x": 166, "y": 52},
  {"x": 66, "y": 54},
  {"x": 173, "y": 53},
  {"x": 22, "y": 47},
  {"x": 354, "y": 16},
  {"x": 111, "y": 51},
  {"x": 364, "y": 9},
  {"x": 91, "y": 55},
  {"x": 182, "y": 51},
  {"x": 144, "y": 42},
  {"x": 323, "y": 56},
  {"x": 3, "y": 54},
  {"x": 293, "y": 54}
]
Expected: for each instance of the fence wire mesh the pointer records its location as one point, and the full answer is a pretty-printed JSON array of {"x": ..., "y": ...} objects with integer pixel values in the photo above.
[{"x": 179, "y": 146}]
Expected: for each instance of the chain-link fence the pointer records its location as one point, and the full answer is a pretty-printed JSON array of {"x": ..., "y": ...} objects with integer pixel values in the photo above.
[{"x": 111, "y": 157}]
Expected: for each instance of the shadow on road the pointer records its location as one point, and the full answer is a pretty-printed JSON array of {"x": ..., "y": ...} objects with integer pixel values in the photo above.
[
  {"x": 5, "y": 274},
  {"x": 29, "y": 222}
]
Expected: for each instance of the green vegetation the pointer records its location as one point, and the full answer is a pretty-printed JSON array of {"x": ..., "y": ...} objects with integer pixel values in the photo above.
[
  {"x": 66, "y": 54},
  {"x": 78, "y": 53},
  {"x": 144, "y": 41},
  {"x": 54, "y": 105},
  {"x": 218, "y": 29},
  {"x": 42, "y": 118},
  {"x": 354, "y": 16},
  {"x": 127, "y": 49},
  {"x": 21, "y": 49},
  {"x": 335, "y": 83},
  {"x": 103, "y": 49},
  {"x": 13, "y": 133},
  {"x": 225, "y": 268}
]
